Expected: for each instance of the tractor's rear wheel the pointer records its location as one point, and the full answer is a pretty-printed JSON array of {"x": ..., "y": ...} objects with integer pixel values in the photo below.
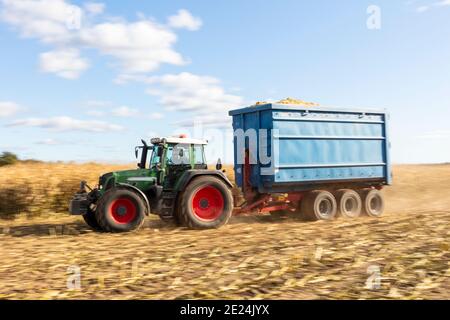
[
  {"x": 120, "y": 210},
  {"x": 91, "y": 220},
  {"x": 206, "y": 203},
  {"x": 318, "y": 205}
]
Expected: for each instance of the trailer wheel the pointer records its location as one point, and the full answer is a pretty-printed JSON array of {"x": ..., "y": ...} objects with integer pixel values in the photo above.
[
  {"x": 120, "y": 210},
  {"x": 349, "y": 203},
  {"x": 91, "y": 220},
  {"x": 205, "y": 203},
  {"x": 318, "y": 205},
  {"x": 373, "y": 202}
]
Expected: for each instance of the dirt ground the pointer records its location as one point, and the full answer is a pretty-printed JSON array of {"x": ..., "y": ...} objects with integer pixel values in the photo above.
[{"x": 404, "y": 254}]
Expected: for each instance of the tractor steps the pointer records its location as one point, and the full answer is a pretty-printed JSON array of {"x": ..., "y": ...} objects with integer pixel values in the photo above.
[{"x": 167, "y": 205}]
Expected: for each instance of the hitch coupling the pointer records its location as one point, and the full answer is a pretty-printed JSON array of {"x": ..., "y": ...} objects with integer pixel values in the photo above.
[{"x": 79, "y": 205}]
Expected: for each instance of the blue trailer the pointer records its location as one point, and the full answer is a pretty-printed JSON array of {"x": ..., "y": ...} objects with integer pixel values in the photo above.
[{"x": 319, "y": 161}]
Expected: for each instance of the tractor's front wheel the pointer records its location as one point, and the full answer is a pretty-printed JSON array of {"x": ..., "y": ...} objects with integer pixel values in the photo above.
[
  {"x": 91, "y": 220},
  {"x": 206, "y": 203},
  {"x": 120, "y": 210}
]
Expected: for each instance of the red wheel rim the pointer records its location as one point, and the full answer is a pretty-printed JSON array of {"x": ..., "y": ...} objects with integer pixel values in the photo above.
[
  {"x": 207, "y": 203},
  {"x": 122, "y": 210}
]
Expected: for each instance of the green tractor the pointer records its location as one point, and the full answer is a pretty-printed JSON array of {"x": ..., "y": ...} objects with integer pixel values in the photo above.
[{"x": 172, "y": 180}]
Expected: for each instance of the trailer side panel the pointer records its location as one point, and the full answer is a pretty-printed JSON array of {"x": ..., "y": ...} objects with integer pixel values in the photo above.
[{"x": 308, "y": 146}]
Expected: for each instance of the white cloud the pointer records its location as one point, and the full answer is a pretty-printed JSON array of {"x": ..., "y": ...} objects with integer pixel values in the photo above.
[
  {"x": 43, "y": 19},
  {"x": 94, "y": 7},
  {"x": 188, "y": 92},
  {"x": 124, "y": 111},
  {"x": 95, "y": 113},
  {"x": 139, "y": 46},
  {"x": 97, "y": 103},
  {"x": 8, "y": 108},
  {"x": 217, "y": 120},
  {"x": 156, "y": 116},
  {"x": 66, "y": 63},
  {"x": 185, "y": 20},
  {"x": 49, "y": 142},
  {"x": 436, "y": 134},
  {"x": 422, "y": 9},
  {"x": 67, "y": 124},
  {"x": 443, "y": 3},
  {"x": 202, "y": 96}
]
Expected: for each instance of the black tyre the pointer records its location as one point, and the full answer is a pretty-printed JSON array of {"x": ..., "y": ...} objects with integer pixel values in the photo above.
[
  {"x": 207, "y": 202},
  {"x": 120, "y": 210},
  {"x": 373, "y": 202},
  {"x": 91, "y": 220},
  {"x": 349, "y": 203},
  {"x": 318, "y": 205}
]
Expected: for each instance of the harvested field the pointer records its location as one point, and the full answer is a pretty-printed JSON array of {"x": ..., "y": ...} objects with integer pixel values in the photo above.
[{"x": 404, "y": 254}]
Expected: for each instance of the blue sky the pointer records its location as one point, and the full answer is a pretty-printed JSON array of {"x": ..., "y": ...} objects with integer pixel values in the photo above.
[{"x": 86, "y": 80}]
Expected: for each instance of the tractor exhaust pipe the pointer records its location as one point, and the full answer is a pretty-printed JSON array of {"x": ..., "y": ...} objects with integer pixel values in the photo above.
[{"x": 144, "y": 154}]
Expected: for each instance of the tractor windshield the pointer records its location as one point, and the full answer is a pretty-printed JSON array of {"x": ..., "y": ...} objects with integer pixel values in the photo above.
[{"x": 156, "y": 156}]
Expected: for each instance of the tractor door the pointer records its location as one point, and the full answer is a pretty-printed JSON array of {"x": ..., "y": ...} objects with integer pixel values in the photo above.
[
  {"x": 178, "y": 160},
  {"x": 199, "y": 159}
]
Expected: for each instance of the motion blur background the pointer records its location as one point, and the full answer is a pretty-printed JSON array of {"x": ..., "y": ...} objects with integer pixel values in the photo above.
[{"x": 84, "y": 81}]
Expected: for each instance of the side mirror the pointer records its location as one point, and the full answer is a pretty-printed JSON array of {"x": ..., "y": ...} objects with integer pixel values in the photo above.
[
  {"x": 181, "y": 153},
  {"x": 136, "y": 152},
  {"x": 160, "y": 151},
  {"x": 219, "y": 164}
]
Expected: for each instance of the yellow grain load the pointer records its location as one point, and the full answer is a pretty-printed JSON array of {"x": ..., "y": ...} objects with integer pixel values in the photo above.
[
  {"x": 290, "y": 101},
  {"x": 297, "y": 101}
]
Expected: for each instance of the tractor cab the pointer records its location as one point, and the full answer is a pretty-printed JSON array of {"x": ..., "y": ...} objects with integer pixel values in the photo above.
[
  {"x": 179, "y": 151},
  {"x": 171, "y": 157}
]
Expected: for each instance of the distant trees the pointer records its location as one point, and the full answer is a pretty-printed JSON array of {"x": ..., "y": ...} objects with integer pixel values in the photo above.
[{"x": 7, "y": 158}]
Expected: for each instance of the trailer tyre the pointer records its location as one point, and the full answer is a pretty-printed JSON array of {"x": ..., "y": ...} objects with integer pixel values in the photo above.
[
  {"x": 373, "y": 202},
  {"x": 349, "y": 203},
  {"x": 91, "y": 220},
  {"x": 319, "y": 205},
  {"x": 120, "y": 210},
  {"x": 206, "y": 202}
]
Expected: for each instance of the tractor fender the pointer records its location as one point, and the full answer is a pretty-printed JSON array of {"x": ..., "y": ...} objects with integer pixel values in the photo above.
[
  {"x": 142, "y": 194},
  {"x": 191, "y": 174}
]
